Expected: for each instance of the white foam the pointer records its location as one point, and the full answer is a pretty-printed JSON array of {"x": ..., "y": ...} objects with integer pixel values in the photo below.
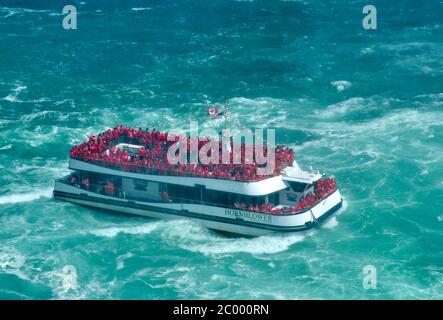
[
  {"x": 358, "y": 105},
  {"x": 13, "y": 11},
  {"x": 50, "y": 169},
  {"x": 3, "y": 121},
  {"x": 260, "y": 245},
  {"x": 22, "y": 10},
  {"x": 69, "y": 273},
  {"x": 19, "y": 88},
  {"x": 343, "y": 107},
  {"x": 341, "y": 85},
  {"x": 266, "y": 111},
  {"x": 31, "y": 116},
  {"x": 25, "y": 197},
  {"x": 427, "y": 70},
  {"x": 140, "y": 9},
  {"x": 431, "y": 95},
  {"x": 6, "y": 147},
  {"x": 166, "y": 272},
  {"x": 330, "y": 223},
  {"x": 432, "y": 99},
  {"x": 12, "y": 97},
  {"x": 40, "y": 135},
  {"x": 11, "y": 261},
  {"x": 64, "y": 282},
  {"x": 111, "y": 232},
  {"x": 120, "y": 260},
  {"x": 343, "y": 208},
  {"x": 367, "y": 50},
  {"x": 194, "y": 237}
]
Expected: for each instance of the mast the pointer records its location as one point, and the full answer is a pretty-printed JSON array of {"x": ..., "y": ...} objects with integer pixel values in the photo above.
[
  {"x": 225, "y": 114},
  {"x": 225, "y": 131}
]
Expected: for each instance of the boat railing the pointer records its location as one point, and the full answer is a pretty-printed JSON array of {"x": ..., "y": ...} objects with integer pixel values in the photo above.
[{"x": 141, "y": 169}]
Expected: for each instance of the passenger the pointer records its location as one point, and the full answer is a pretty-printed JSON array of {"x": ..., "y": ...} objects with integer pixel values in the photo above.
[
  {"x": 164, "y": 196},
  {"x": 109, "y": 188},
  {"x": 85, "y": 183}
]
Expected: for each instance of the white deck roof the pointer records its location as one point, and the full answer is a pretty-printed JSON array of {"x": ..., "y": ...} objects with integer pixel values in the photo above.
[{"x": 295, "y": 173}]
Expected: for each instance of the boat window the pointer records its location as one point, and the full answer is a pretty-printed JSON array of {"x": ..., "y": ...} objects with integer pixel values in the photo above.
[
  {"x": 275, "y": 198},
  {"x": 297, "y": 186},
  {"x": 140, "y": 185},
  {"x": 216, "y": 197},
  {"x": 260, "y": 200},
  {"x": 183, "y": 192},
  {"x": 163, "y": 187}
]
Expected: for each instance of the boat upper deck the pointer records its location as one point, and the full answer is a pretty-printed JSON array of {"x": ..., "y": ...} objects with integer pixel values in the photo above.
[{"x": 146, "y": 152}]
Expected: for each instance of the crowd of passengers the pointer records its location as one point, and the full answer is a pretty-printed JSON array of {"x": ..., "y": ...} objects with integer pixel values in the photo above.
[
  {"x": 152, "y": 157},
  {"x": 322, "y": 189}
]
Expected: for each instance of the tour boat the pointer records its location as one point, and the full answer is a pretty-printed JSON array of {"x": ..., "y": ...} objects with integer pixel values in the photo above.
[{"x": 125, "y": 170}]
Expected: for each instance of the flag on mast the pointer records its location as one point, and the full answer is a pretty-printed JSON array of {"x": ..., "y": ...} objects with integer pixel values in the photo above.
[{"x": 215, "y": 113}]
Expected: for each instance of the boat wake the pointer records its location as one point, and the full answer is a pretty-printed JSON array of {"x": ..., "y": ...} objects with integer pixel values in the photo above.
[
  {"x": 196, "y": 238},
  {"x": 331, "y": 223},
  {"x": 112, "y": 232},
  {"x": 25, "y": 197}
]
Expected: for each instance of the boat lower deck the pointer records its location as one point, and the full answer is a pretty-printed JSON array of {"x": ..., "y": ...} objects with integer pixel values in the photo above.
[{"x": 218, "y": 218}]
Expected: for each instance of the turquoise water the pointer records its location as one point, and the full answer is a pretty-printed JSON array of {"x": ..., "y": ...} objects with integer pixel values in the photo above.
[{"x": 158, "y": 64}]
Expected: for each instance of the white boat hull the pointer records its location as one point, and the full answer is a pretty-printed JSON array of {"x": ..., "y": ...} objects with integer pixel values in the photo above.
[{"x": 229, "y": 220}]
